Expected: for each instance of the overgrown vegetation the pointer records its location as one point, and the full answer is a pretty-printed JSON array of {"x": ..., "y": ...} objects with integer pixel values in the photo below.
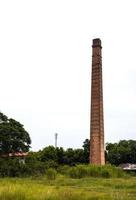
[
  {"x": 12, "y": 168},
  {"x": 122, "y": 152},
  {"x": 36, "y": 163},
  {"x": 13, "y": 137},
  {"x": 15, "y": 140},
  {"x": 65, "y": 188},
  {"x": 106, "y": 171},
  {"x": 51, "y": 174}
]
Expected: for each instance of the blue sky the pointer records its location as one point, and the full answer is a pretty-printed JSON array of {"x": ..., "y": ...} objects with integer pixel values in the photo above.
[{"x": 45, "y": 50}]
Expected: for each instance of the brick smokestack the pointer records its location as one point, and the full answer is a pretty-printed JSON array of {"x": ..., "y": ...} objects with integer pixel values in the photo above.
[{"x": 97, "y": 155}]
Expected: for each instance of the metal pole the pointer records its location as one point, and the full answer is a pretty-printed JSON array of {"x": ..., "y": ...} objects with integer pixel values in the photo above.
[{"x": 56, "y": 137}]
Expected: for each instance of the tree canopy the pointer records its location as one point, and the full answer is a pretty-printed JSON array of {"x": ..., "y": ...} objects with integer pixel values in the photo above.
[
  {"x": 122, "y": 152},
  {"x": 13, "y": 137}
]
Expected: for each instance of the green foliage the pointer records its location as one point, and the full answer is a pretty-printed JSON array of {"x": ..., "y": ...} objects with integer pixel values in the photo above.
[
  {"x": 60, "y": 153},
  {"x": 37, "y": 163},
  {"x": 63, "y": 169},
  {"x": 9, "y": 167},
  {"x": 116, "y": 153},
  {"x": 9, "y": 195},
  {"x": 74, "y": 156},
  {"x": 77, "y": 172},
  {"x": 35, "y": 168},
  {"x": 60, "y": 156},
  {"x": 122, "y": 152},
  {"x": 49, "y": 153},
  {"x": 12, "y": 167},
  {"x": 86, "y": 147},
  {"x": 51, "y": 164},
  {"x": 64, "y": 188},
  {"x": 13, "y": 136},
  {"x": 106, "y": 171},
  {"x": 51, "y": 174},
  {"x": 73, "y": 172}
]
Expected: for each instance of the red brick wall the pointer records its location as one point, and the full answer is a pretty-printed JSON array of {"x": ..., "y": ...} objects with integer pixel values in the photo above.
[{"x": 97, "y": 123}]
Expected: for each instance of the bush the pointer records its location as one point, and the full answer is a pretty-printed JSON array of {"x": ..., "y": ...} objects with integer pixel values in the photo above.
[
  {"x": 82, "y": 172},
  {"x": 93, "y": 171},
  {"x": 51, "y": 174},
  {"x": 63, "y": 169},
  {"x": 105, "y": 173},
  {"x": 51, "y": 164},
  {"x": 77, "y": 172},
  {"x": 73, "y": 172},
  {"x": 11, "y": 167}
]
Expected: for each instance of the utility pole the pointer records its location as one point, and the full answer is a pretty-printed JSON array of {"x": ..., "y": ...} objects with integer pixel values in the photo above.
[{"x": 56, "y": 138}]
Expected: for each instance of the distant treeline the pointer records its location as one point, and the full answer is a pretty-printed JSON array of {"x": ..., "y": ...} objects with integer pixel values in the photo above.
[
  {"x": 15, "y": 140},
  {"x": 36, "y": 163},
  {"x": 116, "y": 153},
  {"x": 121, "y": 152}
]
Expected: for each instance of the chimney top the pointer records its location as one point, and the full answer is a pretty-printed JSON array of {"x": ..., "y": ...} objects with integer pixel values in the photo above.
[{"x": 96, "y": 43}]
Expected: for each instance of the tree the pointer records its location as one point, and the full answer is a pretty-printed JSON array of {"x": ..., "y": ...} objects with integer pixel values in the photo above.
[
  {"x": 79, "y": 156},
  {"x": 49, "y": 154},
  {"x": 122, "y": 152},
  {"x": 86, "y": 147},
  {"x": 60, "y": 155},
  {"x": 69, "y": 157},
  {"x": 13, "y": 137}
]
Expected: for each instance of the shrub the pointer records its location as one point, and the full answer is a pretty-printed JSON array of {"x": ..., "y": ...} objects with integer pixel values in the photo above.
[
  {"x": 51, "y": 174},
  {"x": 93, "y": 171},
  {"x": 73, "y": 172},
  {"x": 12, "y": 168},
  {"x": 77, "y": 172},
  {"x": 63, "y": 169},
  {"x": 105, "y": 173},
  {"x": 51, "y": 164},
  {"x": 82, "y": 172}
]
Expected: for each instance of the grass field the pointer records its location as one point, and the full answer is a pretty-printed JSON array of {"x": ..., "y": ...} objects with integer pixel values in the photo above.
[{"x": 64, "y": 188}]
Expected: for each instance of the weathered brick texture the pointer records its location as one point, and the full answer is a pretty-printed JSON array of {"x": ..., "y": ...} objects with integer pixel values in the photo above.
[{"x": 97, "y": 122}]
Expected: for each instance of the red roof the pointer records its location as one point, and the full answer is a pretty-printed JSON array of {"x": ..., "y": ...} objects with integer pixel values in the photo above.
[{"x": 17, "y": 154}]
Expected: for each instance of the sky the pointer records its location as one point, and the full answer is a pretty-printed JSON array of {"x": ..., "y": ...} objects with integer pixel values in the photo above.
[{"x": 45, "y": 67}]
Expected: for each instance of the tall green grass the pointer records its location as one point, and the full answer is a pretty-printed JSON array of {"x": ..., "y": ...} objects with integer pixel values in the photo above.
[
  {"x": 65, "y": 188},
  {"x": 106, "y": 171},
  {"x": 51, "y": 174},
  {"x": 15, "y": 195}
]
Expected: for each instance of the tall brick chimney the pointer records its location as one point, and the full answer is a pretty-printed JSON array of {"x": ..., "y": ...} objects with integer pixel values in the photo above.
[{"x": 97, "y": 155}]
